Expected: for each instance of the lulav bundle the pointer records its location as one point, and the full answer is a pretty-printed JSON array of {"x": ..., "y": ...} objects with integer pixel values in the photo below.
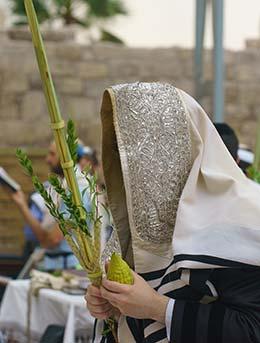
[
  {"x": 82, "y": 234},
  {"x": 80, "y": 227}
]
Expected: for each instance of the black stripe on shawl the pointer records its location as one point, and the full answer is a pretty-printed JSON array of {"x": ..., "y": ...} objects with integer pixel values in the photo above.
[
  {"x": 198, "y": 278},
  {"x": 186, "y": 292},
  {"x": 190, "y": 313},
  {"x": 202, "y": 324},
  {"x": 184, "y": 329},
  {"x": 173, "y": 276},
  {"x": 212, "y": 260},
  {"x": 147, "y": 322},
  {"x": 136, "y": 329},
  {"x": 157, "y": 274},
  {"x": 94, "y": 331},
  {"x": 177, "y": 320},
  {"x": 156, "y": 336}
]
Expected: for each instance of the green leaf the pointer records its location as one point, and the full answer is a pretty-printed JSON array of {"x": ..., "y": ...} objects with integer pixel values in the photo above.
[
  {"x": 43, "y": 11},
  {"x": 107, "y": 36},
  {"x": 25, "y": 162},
  {"x": 67, "y": 10},
  {"x": 106, "y": 8},
  {"x": 72, "y": 140},
  {"x": 83, "y": 193},
  {"x": 39, "y": 187},
  {"x": 253, "y": 174}
]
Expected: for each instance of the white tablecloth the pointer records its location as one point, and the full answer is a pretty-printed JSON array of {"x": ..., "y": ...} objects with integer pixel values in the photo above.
[{"x": 50, "y": 307}]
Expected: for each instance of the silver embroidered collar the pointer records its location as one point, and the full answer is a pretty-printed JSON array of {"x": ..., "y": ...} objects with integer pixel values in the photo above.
[{"x": 155, "y": 146}]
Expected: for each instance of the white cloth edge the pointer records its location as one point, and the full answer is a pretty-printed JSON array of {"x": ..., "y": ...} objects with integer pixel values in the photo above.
[{"x": 169, "y": 317}]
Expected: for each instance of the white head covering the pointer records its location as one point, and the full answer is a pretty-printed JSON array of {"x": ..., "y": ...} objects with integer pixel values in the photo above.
[
  {"x": 246, "y": 155},
  {"x": 174, "y": 190}
]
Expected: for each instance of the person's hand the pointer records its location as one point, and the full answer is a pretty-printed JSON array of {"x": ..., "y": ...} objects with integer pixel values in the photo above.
[
  {"x": 99, "y": 307},
  {"x": 138, "y": 300},
  {"x": 19, "y": 198}
]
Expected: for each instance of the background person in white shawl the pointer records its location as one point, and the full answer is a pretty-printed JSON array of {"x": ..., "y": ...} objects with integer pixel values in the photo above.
[
  {"x": 45, "y": 230},
  {"x": 188, "y": 221}
]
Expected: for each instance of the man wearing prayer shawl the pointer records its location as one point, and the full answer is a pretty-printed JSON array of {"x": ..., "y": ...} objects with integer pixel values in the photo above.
[{"x": 187, "y": 219}]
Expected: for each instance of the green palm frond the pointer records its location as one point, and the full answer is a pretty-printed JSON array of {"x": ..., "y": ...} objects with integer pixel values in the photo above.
[
  {"x": 107, "y": 36},
  {"x": 66, "y": 9},
  {"x": 41, "y": 8},
  {"x": 84, "y": 13},
  {"x": 106, "y": 8},
  {"x": 72, "y": 140}
]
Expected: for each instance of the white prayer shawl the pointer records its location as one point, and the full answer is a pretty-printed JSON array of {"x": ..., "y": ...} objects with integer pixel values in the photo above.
[{"x": 177, "y": 197}]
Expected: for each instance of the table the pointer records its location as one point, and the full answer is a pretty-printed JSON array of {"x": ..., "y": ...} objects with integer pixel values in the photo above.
[{"x": 49, "y": 307}]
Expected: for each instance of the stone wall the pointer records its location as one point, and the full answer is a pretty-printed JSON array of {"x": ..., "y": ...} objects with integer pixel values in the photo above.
[{"x": 81, "y": 73}]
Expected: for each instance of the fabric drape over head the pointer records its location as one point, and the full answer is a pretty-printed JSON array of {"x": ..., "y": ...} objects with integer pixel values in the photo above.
[
  {"x": 174, "y": 190},
  {"x": 177, "y": 197}
]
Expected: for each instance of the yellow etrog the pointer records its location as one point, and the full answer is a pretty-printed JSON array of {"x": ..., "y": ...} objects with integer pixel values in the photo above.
[{"x": 119, "y": 271}]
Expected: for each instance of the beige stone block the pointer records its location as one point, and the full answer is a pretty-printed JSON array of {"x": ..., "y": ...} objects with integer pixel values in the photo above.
[
  {"x": 91, "y": 135},
  {"x": 237, "y": 112},
  {"x": 69, "y": 85},
  {"x": 35, "y": 81},
  {"x": 66, "y": 51},
  {"x": 187, "y": 85},
  {"x": 231, "y": 72},
  {"x": 91, "y": 70},
  {"x": 231, "y": 92},
  {"x": 208, "y": 71},
  {"x": 167, "y": 71},
  {"x": 14, "y": 82},
  {"x": 10, "y": 111},
  {"x": 80, "y": 69},
  {"x": 9, "y": 106},
  {"x": 249, "y": 56},
  {"x": 248, "y": 133},
  {"x": 23, "y": 33},
  {"x": 95, "y": 88},
  {"x": 17, "y": 133},
  {"x": 62, "y": 68},
  {"x": 14, "y": 63},
  {"x": 34, "y": 107},
  {"x": 107, "y": 51},
  {"x": 126, "y": 68},
  {"x": 87, "y": 53},
  {"x": 81, "y": 109},
  {"x": 245, "y": 72},
  {"x": 248, "y": 93},
  {"x": 252, "y": 43}
]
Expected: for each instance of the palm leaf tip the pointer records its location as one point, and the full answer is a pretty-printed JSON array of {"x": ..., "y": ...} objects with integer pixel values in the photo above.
[
  {"x": 25, "y": 162},
  {"x": 72, "y": 140}
]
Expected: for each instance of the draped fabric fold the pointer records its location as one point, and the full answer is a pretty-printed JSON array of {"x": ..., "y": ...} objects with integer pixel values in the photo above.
[{"x": 178, "y": 200}]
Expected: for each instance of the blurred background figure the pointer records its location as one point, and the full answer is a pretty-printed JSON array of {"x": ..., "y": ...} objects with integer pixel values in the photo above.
[
  {"x": 246, "y": 157},
  {"x": 87, "y": 158},
  {"x": 241, "y": 154},
  {"x": 229, "y": 138},
  {"x": 88, "y": 161},
  {"x": 41, "y": 229}
]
